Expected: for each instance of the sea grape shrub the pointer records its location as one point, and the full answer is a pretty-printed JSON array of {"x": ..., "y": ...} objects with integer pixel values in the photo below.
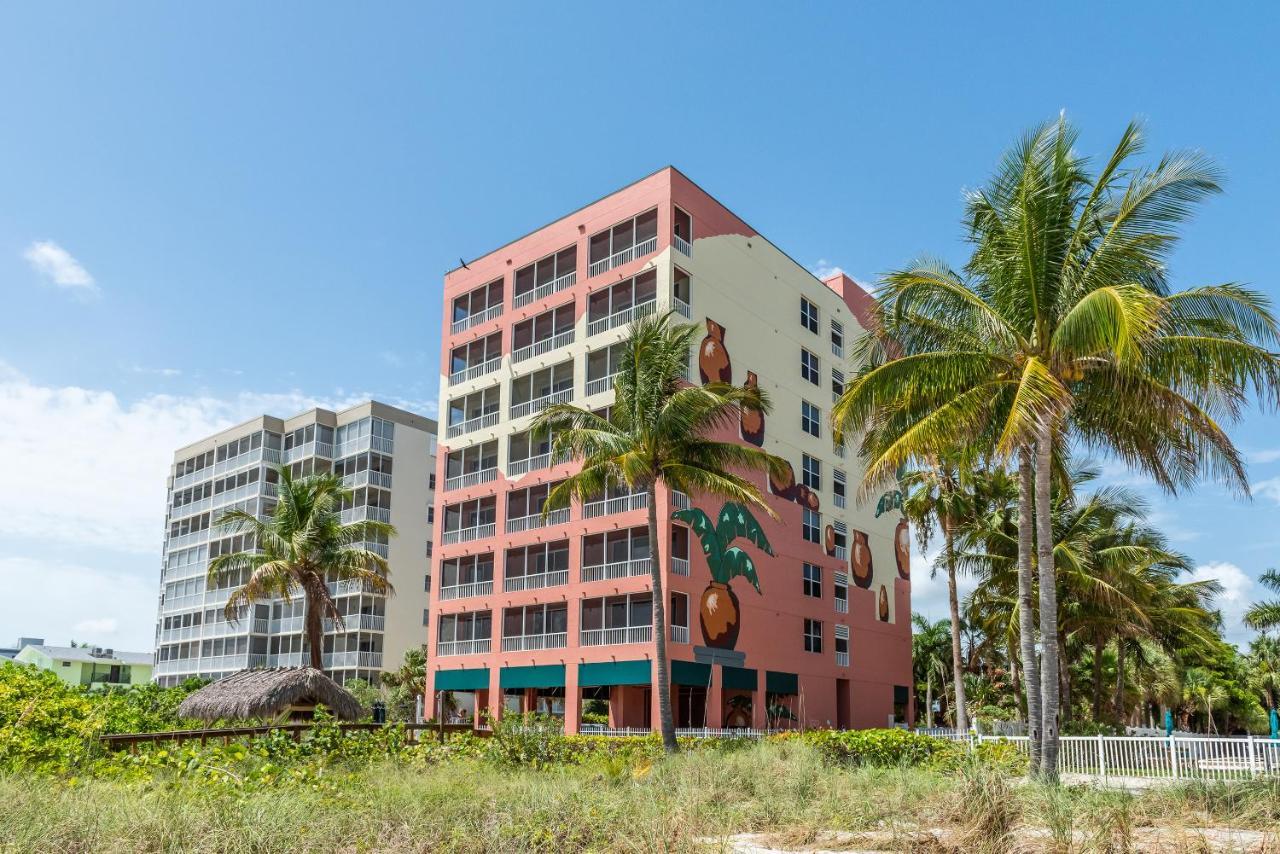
[
  {"x": 881, "y": 748},
  {"x": 45, "y": 725}
]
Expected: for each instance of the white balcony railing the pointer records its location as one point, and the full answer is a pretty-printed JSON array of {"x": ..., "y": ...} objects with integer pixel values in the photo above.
[
  {"x": 535, "y": 581},
  {"x": 352, "y": 658},
  {"x": 624, "y": 256},
  {"x": 519, "y": 467},
  {"x": 474, "y": 371},
  {"x": 367, "y": 478},
  {"x": 191, "y": 509},
  {"x": 621, "y": 504},
  {"x": 465, "y": 591},
  {"x": 536, "y": 520},
  {"x": 679, "y": 566},
  {"x": 600, "y": 384},
  {"x": 546, "y": 289},
  {"x": 478, "y": 646},
  {"x": 546, "y": 345},
  {"x": 842, "y": 606},
  {"x": 618, "y": 569},
  {"x": 471, "y": 424},
  {"x": 622, "y": 318},
  {"x": 528, "y": 643},
  {"x": 364, "y": 513},
  {"x": 381, "y": 549},
  {"x": 360, "y": 444},
  {"x": 838, "y": 500},
  {"x": 532, "y": 407},
  {"x": 842, "y": 552},
  {"x": 837, "y": 350},
  {"x": 475, "y": 319},
  {"x": 471, "y": 478},
  {"x": 308, "y": 449},
  {"x": 679, "y": 634},
  {"x": 679, "y": 500},
  {"x": 842, "y": 659},
  {"x": 682, "y": 308},
  {"x": 466, "y": 535},
  {"x": 682, "y": 245},
  {"x": 611, "y": 637}
]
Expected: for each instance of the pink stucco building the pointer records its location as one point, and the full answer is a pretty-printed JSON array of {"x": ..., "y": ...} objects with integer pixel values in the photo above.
[{"x": 550, "y": 615}]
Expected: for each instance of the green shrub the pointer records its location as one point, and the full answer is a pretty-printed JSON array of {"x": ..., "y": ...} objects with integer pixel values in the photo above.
[{"x": 882, "y": 748}]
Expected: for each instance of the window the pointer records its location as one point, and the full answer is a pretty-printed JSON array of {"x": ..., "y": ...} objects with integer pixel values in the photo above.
[
  {"x": 431, "y": 514},
  {"x": 532, "y": 393},
  {"x": 813, "y": 581},
  {"x": 625, "y": 242},
  {"x": 426, "y": 616},
  {"x": 842, "y": 646},
  {"x": 809, "y": 366},
  {"x": 808, "y": 315},
  {"x": 548, "y": 331},
  {"x": 838, "y": 487},
  {"x": 536, "y": 566},
  {"x": 546, "y": 276},
  {"x": 431, "y": 481},
  {"x": 682, "y": 224},
  {"x": 837, "y": 384},
  {"x": 811, "y": 525},
  {"x": 811, "y": 470},
  {"x": 812, "y": 635},
  {"x": 475, "y": 358},
  {"x": 613, "y": 306},
  {"x": 809, "y": 418},
  {"x": 837, "y": 339},
  {"x": 477, "y": 306},
  {"x": 840, "y": 592}
]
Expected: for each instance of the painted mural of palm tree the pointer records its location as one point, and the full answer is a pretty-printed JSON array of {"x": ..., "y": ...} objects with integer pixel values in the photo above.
[{"x": 719, "y": 611}]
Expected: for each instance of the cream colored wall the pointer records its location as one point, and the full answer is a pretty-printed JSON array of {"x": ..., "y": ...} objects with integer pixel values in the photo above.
[{"x": 412, "y": 465}]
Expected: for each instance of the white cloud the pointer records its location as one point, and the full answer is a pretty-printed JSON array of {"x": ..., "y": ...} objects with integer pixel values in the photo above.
[
  {"x": 58, "y": 266},
  {"x": 1269, "y": 455},
  {"x": 62, "y": 601},
  {"x": 1269, "y": 488},
  {"x": 1235, "y": 598},
  {"x": 159, "y": 372},
  {"x": 824, "y": 269}
]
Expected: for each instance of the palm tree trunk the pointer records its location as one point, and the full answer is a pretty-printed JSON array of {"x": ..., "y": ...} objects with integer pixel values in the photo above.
[
  {"x": 314, "y": 626},
  {"x": 1118, "y": 700},
  {"x": 665, "y": 720},
  {"x": 1026, "y": 611},
  {"x": 1049, "y": 689},
  {"x": 928, "y": 700},
  {"x": 1097, "y": 678},
  {"x": 957, "y": 667}
]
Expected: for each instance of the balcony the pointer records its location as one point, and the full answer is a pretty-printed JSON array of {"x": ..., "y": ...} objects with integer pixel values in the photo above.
[
  {"x": 682, "y": 245},
  {"x": 191, "y": 509},
  {"x": 536, "y": 520},
  {"x": 622, "y": 318},
  {"x": 528, "y": 464},
  {"x": 842, "y": 659},
  {"x": 532, "y": 407},
  {"x": 474, "y": 478},
  {"x": 682, "y": 308},
  {"x": 842, "y": 606},
  {"x": 366, "y": 478},
  {"x": 842, "y": 553},
  {"x": 348, "y": 587},
  {"x": 546, "y": 345},
  {"x": 257, "y": 455},
  {"x": 363, "y": 443},
  {"x": 629, "y": 254},
  {"x": 612, "y": 637},
  {"x": 488, "y": 419},
  {"x": 364, "y": 513},
  {"x": 619, "y": 569},
  {"x": 531, "y": 643},
  {"x": 479, "y": 646},
  {"x": 308, "y": 449},
  {"x": 600, "y": 385},
  {"x": 466, "y": 535},
  {"x": 475, "y": 319},
  {"x": 679, "y": 634},
  {"x": 380, "y": 549},
  {"x": 680, "y": 566},
  {"x": 838, "y": 500},
  {"x": 536, "y": 581},
  {"x": 546, "y": 289},
  {"x": 466, "y": 591},
  {"x": 679, "y": 500},
  {"x": 352, "y": 659},
  {"x": 621, "y": 504},
  {"x": 475, "y": 371}
]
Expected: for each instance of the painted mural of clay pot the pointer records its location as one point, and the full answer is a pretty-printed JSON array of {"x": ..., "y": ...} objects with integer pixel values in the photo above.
[
  {"x": 784, "y": 485},
  {"x": 751, "y": 421},
  {"x": 809, "y": 498},
  {"x": 719, "y": 615},
  {"x": 829, "y": 539},
  {"x": 902, "y": 549},
  {"x": 713, "y": 358},
  {"x": 860, "y": 561},
  {"x": 883, "y": 610}
]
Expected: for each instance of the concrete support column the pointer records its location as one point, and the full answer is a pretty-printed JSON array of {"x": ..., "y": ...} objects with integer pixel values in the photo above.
[
  {"x": 715, "y": 698},
  {"x": 759, "y": 708},
  {"x": 495, "y": 694},
  {"x": 572, "y": 700}
]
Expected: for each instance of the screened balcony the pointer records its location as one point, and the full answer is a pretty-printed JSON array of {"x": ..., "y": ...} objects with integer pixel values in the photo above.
[
  {"x": 472, "y": 466},
  {"x": 534, "y": 627},
  {"x": 616, "y": 554},
  {"x": 525, "y": 506},
  {"x": 537, "y": 566},
  {"x": 476, "y": 411},
  {"x": 539, "y": 335},
  {"x": 546, "y": 276},
  {"x": 625, "y": 242},
  {"x": 476, "y": 307},
  {"x": 623, "y": 302},
  {"x": 611, "y": 620},
  {"x": 468, "y": 633},
  {"x": 475, "y": 359},
  {"x": 532, "y": 393},
  {"x": 463, "y": 577},
  {"x": 469, "y": 520}
]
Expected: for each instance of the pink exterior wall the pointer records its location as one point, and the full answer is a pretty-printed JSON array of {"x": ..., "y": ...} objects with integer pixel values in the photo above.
[{"x": 771, "y": 633}]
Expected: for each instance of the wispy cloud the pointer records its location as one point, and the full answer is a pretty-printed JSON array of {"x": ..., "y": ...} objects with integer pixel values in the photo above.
[
  {"x": 157, "y": 372},
  {"x": 824, "y": 269},
  {"x": 1268, "y": 455},
  {"x": 1269, "y": 488},
  {"x": 58, "y": 266}
]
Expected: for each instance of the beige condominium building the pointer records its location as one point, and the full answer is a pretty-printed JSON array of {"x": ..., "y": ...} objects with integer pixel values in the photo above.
[{"x": 385, "y": 456}]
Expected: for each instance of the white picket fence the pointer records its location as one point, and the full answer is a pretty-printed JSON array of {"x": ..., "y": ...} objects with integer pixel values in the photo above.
[
  {"x": 702, "y": 732},
  {"x": 1177, "y": 757}
]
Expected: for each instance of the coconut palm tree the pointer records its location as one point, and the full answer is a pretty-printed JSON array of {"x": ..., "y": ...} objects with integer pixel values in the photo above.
[
  {"x": 929, "y": 642},
  {"x": 659, "y": 430},
  {"x": 1062, "y": 327},
  {"x": 1265, "y": 615},
  {"x": 1201, "y": 690},
  {"x": 299, "y": 550}
]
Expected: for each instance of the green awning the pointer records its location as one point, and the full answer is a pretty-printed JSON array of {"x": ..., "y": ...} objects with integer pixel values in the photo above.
[
  {"x": 740, "y": 678},
  {"x": 690, "y": 673},
  {"x": 776, "y": 682},
  {"x": 534, "y": 676},
  {"x": 476, "y": 679},
  {"x": 604, "y": 673}
]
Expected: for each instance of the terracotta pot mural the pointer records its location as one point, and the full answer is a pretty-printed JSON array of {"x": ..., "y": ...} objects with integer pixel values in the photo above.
[
  {"x": 784, "y": 485},
  {"x": 883, "y": 610},
  {"x": 719, "y": 613},
  {"x": 713, "y": 358},
  {"x": 829, "y": 540},
  {"x": 860, "y": 561},
  {"x": 808, "y": 498},
  {"x": 751, "y": 422},
  {"x": 902, "y": 549}
]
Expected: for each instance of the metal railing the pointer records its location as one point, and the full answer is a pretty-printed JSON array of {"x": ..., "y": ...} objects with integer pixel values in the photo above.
[
  {"x": 475, "y": 319},
  {"x": 683, "y": 732},
  {"x": 488, "y": 419},
  {"x": 367, "y": 477},
  {"x": 529, "y": 643},
  {"x": 679, "y": 500},
  {"x": 464, "y": 591},
  {"x": 682, "y": 308},
  {"x": 610, "y": 637},
  {"x": 364, "y": 513},
  {"x": 842, "y": 606},
  {"x": 466, "y": 535},
  {"x": 600, "y": 384},
  {"x": 679, "y": 566},
  {"x": 463, "y": 647},
  {"x": 473, "y": 478},
  {"x": 1177, "y": 757},
  {"x": 623, "y": 256},
  {"x": 682, "y": 245},
  {"x": 837, "y": 350},
  {"x": 528, "y": 464},
  {"x": 546, "y": 345},
  {"x": 842, "y": 552},
  {"x": 622, "y": 318},
  {"x": 536, "y": 520},
  {"x": 842, "y": 659},
  {"x": 679, "y": 634},
  {"x": 546, "y": 289},
  {"x": 470, "y": 373},
  {"x": 535, "y": 581},
  {"x": 532, "y": 407},
  {"x": 618, "y": 569},
  {"x": 838, "y": 500},
  {"x": 309, "y": 449},
  {"x": 621, "y": 504}
]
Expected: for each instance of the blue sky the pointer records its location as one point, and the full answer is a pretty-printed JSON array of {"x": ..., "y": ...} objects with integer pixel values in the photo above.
[{"x": 207, "y": 211}]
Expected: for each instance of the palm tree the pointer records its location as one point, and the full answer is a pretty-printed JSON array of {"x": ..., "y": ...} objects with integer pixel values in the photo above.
[
  {"x": 658, "y": 431},
  {"x": 1265, "y": 615},
  {"x": 1264, "y": 661},
  {"x": 1201, "y": 688},
  {"x": 935, "y": 493},
  {"x": 929, "y": 642},
  {"x": 301, "y": 548},
  {"x": 1063, "y": 328}
]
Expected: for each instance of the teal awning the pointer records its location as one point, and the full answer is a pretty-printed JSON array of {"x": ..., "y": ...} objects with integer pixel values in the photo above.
[
  {"x": 534, "y": 676},
  {"x": 740, "y": 678},
  {"x": 476, "y": 679},
  {"x": 603, "y": 673},
  {"x": 690, "y": 673},
  {"x": 776, "y": 682}
]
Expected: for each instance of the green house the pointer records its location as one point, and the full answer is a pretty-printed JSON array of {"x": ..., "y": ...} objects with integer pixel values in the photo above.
[{"x": 92, "y": 667}]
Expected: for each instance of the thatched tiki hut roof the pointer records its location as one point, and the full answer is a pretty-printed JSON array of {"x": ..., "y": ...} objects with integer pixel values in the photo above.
[{"x": 270, "y": 693}]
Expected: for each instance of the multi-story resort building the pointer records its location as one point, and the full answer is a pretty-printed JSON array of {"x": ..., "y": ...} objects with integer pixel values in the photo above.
[
  {"x": 386, "y": 457},
  {"x": 548, "y": 614}
]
